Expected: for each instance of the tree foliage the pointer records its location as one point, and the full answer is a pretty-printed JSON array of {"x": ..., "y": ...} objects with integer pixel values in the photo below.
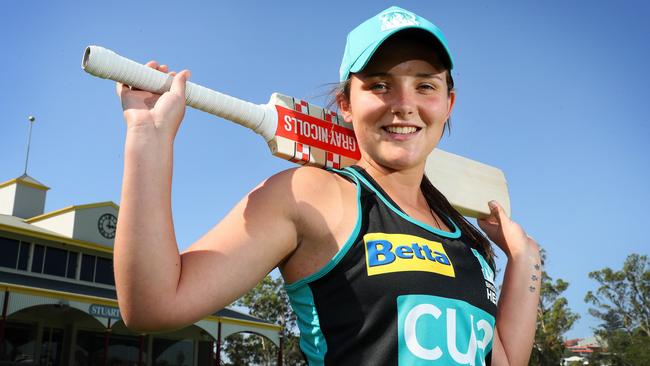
[
  {"x": 267, "y": 301},
  {"x": 554, "y": 318},
  {"x": 622, "y": 302}
]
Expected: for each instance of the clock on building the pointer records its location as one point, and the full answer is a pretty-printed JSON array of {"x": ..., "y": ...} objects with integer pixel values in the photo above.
[{"x": 106, "y": 225}]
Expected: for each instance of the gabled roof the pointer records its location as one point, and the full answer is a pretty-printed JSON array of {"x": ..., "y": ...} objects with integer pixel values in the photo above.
[
  {"x": 18, "y": 225},
  {"x": 72, "y": 208},
  {"x": 26, "y": 180},
  {"x": 229, "y": 313}
]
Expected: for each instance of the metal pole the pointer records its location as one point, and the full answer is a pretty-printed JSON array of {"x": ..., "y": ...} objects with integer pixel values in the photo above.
[
  {"x": 29, "y": 140},
  {"x": 140, "y": 351},
  {"x": 212, "y": 351},
  {"x": 2, "y": 323},
  {"x": 106, "y": 340},
  {"x": 280, "y": 349},
  {"x": 219, "y": 344}
]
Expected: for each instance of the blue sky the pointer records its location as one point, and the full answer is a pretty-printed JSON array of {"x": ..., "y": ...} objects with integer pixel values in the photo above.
[{"x": 555, "y": 93}]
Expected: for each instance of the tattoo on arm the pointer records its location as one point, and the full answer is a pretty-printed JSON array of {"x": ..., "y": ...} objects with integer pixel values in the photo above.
[{"x": 534, "y": 277}]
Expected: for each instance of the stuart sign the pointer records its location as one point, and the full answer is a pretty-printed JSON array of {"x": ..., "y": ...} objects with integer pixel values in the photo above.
[{"x": 105, "y": 311}]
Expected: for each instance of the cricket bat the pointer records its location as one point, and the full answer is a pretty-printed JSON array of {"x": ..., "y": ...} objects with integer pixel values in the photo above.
[{"x": 307, "y": 134}]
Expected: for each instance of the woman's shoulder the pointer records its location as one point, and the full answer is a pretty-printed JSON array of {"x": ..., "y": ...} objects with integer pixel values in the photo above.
[
  {"x": 313, "y": 192},
  {"x": 325, "y": 214},
  {"x": 306, "y": 182}
]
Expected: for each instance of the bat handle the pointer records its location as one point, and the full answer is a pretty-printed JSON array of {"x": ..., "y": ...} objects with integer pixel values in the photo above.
[{"x": 106, "y": 64}]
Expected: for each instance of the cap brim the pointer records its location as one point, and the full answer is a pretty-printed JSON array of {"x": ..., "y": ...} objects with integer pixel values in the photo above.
[{"x": 367, "y": 54}]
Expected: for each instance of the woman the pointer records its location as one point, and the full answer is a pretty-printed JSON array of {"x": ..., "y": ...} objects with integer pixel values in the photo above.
[{"x": 380, "y": 269}]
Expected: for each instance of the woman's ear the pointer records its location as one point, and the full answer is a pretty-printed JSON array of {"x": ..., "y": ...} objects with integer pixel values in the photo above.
[
  {"x": 450, "y": 102},
  {"x": 344, "y": 106}
]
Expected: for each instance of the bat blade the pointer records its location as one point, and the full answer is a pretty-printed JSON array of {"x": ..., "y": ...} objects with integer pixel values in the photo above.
[{"x": 468, "y": 185}]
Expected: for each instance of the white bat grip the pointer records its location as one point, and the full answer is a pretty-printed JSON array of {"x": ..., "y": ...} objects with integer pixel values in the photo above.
[{"x": 106, "y": 64}]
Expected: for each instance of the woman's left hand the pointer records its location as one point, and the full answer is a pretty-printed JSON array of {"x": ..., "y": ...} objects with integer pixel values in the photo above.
[
  {"x": 505, "y": 233},
  {"x": 514, "y": 332}
]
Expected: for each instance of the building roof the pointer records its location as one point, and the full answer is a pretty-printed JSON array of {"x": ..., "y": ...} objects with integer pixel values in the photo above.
[
  {"x": 20, "y": 223},
  {"x": 229, "y": 313},
  {"x": 588, "y": 342},
  {"x": 27, "y": 180},
  {"x": 72, "y": 208}
]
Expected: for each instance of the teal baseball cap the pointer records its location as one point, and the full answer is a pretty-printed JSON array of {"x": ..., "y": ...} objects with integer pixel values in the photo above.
[{"x": 363, "y": 41}]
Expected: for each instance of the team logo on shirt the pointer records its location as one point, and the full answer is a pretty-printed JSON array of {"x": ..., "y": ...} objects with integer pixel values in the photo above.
[
  {"x": 386, "y": 253},
  {"x": 434, "y": 330},
  {"x": 488, "y": 275}
]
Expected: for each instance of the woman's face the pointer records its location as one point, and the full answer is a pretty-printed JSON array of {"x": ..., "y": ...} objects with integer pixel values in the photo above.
[{"x": 398, "y": 104}]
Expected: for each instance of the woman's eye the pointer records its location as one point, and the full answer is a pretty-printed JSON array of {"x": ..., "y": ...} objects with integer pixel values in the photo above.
[
  {"x": 427, "y": 87},
  {"x": 378, "y": 87}
]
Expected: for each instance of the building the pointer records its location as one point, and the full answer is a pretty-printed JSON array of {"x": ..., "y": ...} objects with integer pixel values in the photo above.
[
  {"x": 582, "y": 348},
  {"x": 58, "y": 298}
]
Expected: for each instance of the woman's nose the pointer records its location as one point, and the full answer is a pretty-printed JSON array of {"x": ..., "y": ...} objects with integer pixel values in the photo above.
[{"x": 402, "y": 103}]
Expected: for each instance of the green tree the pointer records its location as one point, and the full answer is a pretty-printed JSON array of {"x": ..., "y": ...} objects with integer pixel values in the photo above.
[
  {"x": 554, "y": 318},
  {"x": 267, "y": 301},
  {"x": 622, "y": 302}
]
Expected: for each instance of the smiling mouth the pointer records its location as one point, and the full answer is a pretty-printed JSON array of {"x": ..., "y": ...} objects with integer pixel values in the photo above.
[{"x": 400, "y": 130}]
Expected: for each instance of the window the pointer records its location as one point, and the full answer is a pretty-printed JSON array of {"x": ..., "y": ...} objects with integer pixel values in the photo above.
[
  {"x": 205, "y": 353},
  {"x": 89, "y": 349},
  {"x": 72, "y": 264},
  {"x": 87, "y": 268},
  {"x": 122, "y": 350},
  {"x": 20, "y": 342},
  {"x": 104, "y": 273},
  {"x": 37, "y": 259},
  {"x": 23, "y": 256},
  {"x": 8, "y": 252},
  {"x": 55, "y": 261},
  {"x": 172, "y": 352},
  {"x": 51, "y": 346}
]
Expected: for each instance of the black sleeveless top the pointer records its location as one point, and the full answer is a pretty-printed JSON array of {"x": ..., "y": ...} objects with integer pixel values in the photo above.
[{"x": 399, "y": 292}]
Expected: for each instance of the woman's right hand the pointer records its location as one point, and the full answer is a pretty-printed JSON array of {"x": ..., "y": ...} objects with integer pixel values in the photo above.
[{"x": 163, "y": 113}]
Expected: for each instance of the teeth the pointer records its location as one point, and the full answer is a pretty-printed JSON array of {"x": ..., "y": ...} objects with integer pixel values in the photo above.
[{"x": 402, "y": 130}]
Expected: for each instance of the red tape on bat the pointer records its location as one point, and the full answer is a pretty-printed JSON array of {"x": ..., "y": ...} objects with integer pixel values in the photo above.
[{"x": 315, "y": 132}]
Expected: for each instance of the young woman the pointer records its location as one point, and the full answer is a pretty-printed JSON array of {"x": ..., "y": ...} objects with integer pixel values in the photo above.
[{"x": 380, "y": 269}]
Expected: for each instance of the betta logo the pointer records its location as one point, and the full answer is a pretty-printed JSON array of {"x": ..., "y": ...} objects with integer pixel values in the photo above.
[{"x": 386, "y": 253}]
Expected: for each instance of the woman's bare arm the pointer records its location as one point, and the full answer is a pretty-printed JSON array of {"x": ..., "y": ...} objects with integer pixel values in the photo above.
[
  {"x": 158, "y": 288},
  {"x": 517, "y": 307}
]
